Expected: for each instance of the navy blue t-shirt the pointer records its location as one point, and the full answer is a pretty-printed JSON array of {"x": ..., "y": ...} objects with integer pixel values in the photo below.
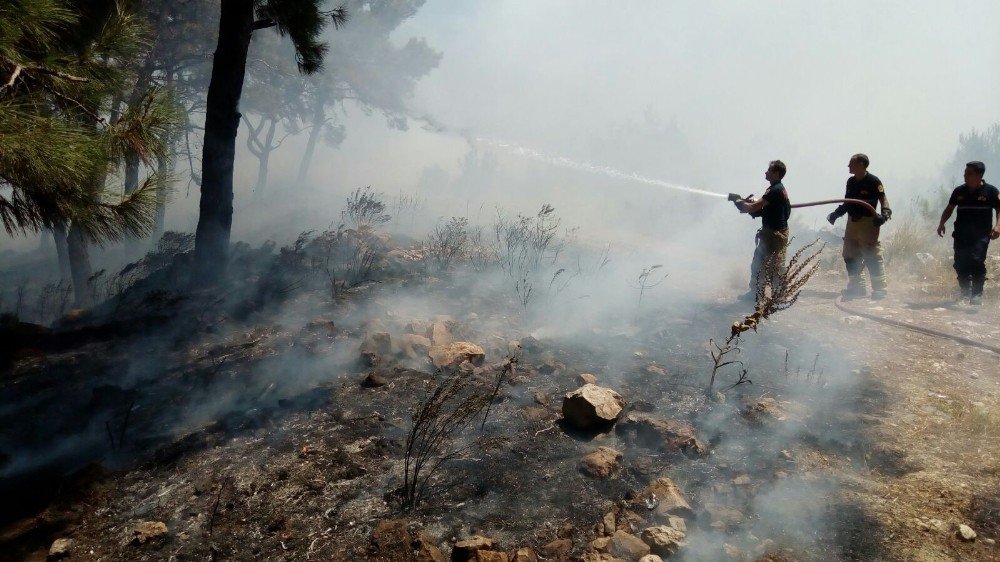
[
  {"x": 975, "y": 209},
  {"x": 775, "y": 214}
]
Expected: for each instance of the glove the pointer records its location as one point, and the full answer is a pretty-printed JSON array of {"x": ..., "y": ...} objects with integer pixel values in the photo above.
[
  {"x": 836, "y": 214},
  {"x": 885, "y": 216}
]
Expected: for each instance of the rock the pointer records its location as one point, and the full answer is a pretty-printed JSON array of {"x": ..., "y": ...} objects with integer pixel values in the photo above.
[
  {"x": 663, "y": 540},
  {"x": 321, "y": 326},
  {"x": 440, "y": 334},
  {"x": 373, "y": 380},
  {"x": 61, "y": 548},
  {"x": 453, "y": 354},
  {"x": 966, "y": 533},
  {"x": 677, "y": 523},
  {"x": 148, "y": 531},
  {"x": 489, "y": 556},
  {"x": 654, "y": 369},
  {"x": 609, "y": 523},
  {"x": 587, "y": 378},
  {"x": 650, "y": 558},
  {"x": 665, "y": 435},
  {"x": 465, "y": 549},
  {"x": 764, "y": 411},
  {"x": 742, "y": 480},
  {"x": 668, "y": 499},
  {"x": 734, "y": 552},
  {"x": 601, "y": 544},
  {"x": 629, "y": 547},
  {"x": 420, "y": 328},
  {"x": 558, "y": 549},
  {"x": 592, "y": 556},
  {"x": 530, "y": 343},
  {"x": 550, "y": 366},
  {"x": 375, "y": 346},
  {"x": 414, "y": 345},
  {"x": 391, "y": 540},
  {"x": 426, "y": 550},
  {"x": 725, "y": 516},
  {"x": 592, "y": 407},
  {"x": 602, "y": 463},
  {"x": 524, "y": 555}
]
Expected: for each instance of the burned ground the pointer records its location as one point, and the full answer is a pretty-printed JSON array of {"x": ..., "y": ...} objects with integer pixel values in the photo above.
[{"x": 243, "y": 425}]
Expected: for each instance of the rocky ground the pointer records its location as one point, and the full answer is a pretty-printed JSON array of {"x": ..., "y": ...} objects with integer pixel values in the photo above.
[{"x": 194, "y": 431}]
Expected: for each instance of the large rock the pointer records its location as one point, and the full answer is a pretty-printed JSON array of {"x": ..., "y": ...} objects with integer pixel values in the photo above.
[
  {"x": 627, "y": 546},
  {"x": 966, "y": 533},
  {"x": 592, "y": 556},
  {"x": 440, "y": 334},
  {"x": 592, "y": 407},
  {"x": 558, "y": 549},
  {"x": 61, "y": 548},
  {"x": 489, "y": 556},
  {"x": 667, "y": 498},
  {"x": 602, "y": 463},
  {"x": 426, "y": 550},
  {"x": 374, "y": 347},
  {"x": 391, "y": 540},
  {"x": 415, "y": 345},
  {"x": 455, "y": 353},
  {"x": 524, "y": 555},
  {"x": 663, "y": 540},
  {"x": 665, "y": 435},
  {"x": 465, "y": 550},
  {"x": 148, "y": 531}
]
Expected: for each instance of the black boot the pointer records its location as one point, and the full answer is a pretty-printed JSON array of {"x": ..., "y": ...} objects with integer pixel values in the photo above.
[
  {"x": 976, "y": 293},
  {"x": 965, "y": 285}
]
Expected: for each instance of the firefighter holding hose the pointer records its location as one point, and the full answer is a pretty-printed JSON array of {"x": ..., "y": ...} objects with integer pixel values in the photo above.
[
  {"x": 861, "y": 245},
  {"x": 773, "y": 208},
  {"x": 976, "y": 202}
]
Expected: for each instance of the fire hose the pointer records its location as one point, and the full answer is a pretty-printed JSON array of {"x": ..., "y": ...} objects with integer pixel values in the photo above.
[
  {"x": 839, "y": 302},
  {"x": 916, "y": 327}
]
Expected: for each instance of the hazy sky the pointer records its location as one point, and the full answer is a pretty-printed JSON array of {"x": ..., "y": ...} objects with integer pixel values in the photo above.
[{"x": 810, "y": 82}]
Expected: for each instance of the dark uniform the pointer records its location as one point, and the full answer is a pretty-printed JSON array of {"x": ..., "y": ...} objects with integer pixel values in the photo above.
[
  {"x": 973, "y": 224},
  {"x": 772, "y": 238},
  {"x": 861, "y": 245}
]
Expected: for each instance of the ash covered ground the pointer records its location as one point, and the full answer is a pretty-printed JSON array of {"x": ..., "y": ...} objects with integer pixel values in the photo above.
[{"x": 275, "y": 422}]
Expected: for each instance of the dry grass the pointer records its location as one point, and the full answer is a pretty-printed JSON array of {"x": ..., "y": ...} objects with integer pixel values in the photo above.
[{"x": 972, "y": 418}]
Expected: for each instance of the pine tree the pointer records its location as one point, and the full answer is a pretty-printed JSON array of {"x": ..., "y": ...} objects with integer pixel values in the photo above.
[
  {"x": 302, "y": 21},
  {"x": 63, "y": 67}
]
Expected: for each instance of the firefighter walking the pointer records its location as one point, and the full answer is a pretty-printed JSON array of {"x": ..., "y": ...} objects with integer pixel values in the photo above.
[
  {"x": 976, "y": 202},
  {"x": 862, "y": 248}
]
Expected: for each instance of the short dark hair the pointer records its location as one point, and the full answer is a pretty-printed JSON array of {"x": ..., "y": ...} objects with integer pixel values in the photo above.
[
  {"x": 859, "y": 157},
  {"x": 977, "y": 166},
  {"x": 777, "y": 166}
]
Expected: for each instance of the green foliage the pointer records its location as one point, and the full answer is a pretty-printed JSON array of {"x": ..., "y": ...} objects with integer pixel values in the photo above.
[{"x": 61, "y": 71}]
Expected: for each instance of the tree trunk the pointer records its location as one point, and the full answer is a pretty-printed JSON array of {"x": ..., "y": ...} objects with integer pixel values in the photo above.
[
  {"x": 62, "y": 251},
  {"x": 79, "y": 264},
  {"x": 45, "y": 241},
  {"x": 222, "y": 121},
  {"x": 319, "y": 119},
  {"x": 263, "y": 158},
  {"x": 165, "y": 167}
]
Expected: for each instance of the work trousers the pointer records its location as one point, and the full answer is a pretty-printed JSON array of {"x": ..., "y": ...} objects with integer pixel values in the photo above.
[
  {"x": 863, "y": 250},
  {"x": 768, "y": 265},
  {"x": 970, "y": 255}
]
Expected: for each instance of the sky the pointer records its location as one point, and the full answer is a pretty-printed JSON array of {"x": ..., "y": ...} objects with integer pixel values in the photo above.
[{"x": 745, "y": 82}]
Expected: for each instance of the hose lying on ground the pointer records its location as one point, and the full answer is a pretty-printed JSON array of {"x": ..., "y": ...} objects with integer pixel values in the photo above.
[{"x": 916, "y": 328}]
